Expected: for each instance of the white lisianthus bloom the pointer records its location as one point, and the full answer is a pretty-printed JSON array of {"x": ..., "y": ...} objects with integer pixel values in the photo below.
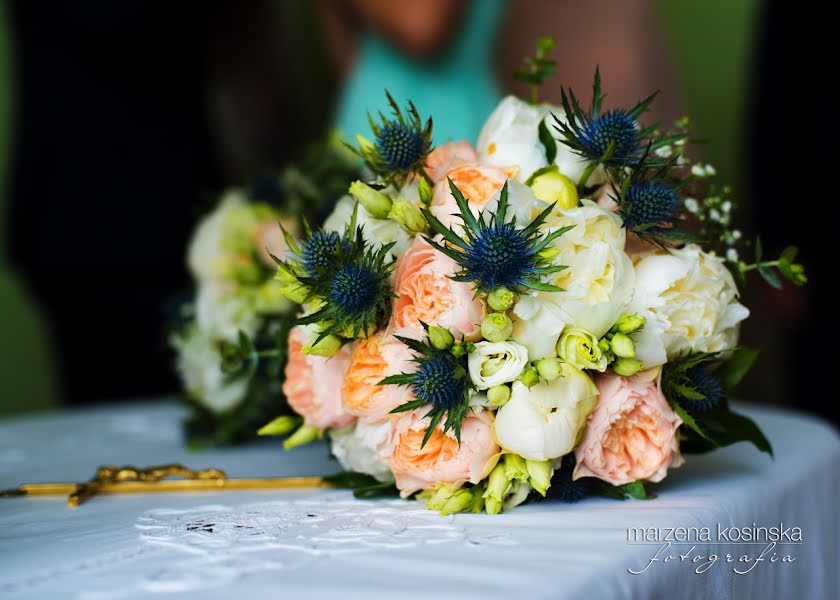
[
  {"x": 510, "y": 138},
  {"x": 376, "y": 231},
  {"x": 546, "y": 421},
  {"x": 690, "y": 301},
  {"x": 357, "y": 448},
  {"x": 199, "y": 364},
  {"x": 206, "y": 255},
  {"x": 493, "y": 364},
  {"x": 222, "y": 315},
  {"x": 598, "y": 282}
]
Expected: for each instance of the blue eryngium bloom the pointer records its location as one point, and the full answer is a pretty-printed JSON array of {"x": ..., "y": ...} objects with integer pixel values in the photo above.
[
  {"x": 318, "y": 252},
  {"x": 704, "y": 384},
  {"x": 615, "y": 128},
  {"x": 494, "y": 253},
  {"x": 353, "y": 287},
  {"x": 400, "y": 146},
  {"x": 649, "y": 206},
  {"x": 440, "y": 383},
  {"x": 566, "y": 489}
]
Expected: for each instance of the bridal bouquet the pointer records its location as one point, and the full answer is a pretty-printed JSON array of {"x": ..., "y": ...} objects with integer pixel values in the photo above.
[
  {"x": 231, "y": 345},
  {"x": 551, "y": 312}
]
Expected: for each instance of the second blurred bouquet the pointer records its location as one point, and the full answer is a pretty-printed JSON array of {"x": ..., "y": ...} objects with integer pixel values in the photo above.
[{"x": 232, "y": 339}]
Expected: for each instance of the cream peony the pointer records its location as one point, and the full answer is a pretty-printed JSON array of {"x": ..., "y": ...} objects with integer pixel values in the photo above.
[
  {"x": 493, "y": 364},
  {"x": 357, "y": 447},
  {"x": 510, "y": 138},
  {"x": 690, "y": 302},
  {"x": 546, "y": 421}
]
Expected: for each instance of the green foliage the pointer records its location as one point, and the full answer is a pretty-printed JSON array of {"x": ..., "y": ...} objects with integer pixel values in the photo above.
[
  {"x": 364, "y": 486},
  {"x": 785, "y": 265},
  {"x": 539, "y": 67},
  {"x": 634, "y": 490}
]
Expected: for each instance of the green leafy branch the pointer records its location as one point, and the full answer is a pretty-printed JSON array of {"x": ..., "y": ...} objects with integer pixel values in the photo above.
[
  {"x": 785, "y": 265},
  {"x": 538, "y": 68}
]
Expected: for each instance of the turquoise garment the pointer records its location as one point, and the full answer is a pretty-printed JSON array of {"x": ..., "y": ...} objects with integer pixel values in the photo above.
[{"x": 457, "y": 89}]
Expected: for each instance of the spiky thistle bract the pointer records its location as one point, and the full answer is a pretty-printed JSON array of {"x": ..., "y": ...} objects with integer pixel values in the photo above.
[
  {"x": 401, "y": 146},
  {"x": 440, "y": 382},
  {"x": 494, "y": 252},
  {"x": 692, "y": 384},
  {"x": 612, "y": 138}
]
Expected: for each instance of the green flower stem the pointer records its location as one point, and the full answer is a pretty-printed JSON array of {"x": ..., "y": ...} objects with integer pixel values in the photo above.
[
  {"x": 587, "y": 173},
  {"x": 745, "y": 268}
]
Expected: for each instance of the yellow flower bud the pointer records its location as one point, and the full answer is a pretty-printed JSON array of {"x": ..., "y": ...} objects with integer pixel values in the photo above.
[
  {"x": 425, "y": 191},
  {"x": 478, "y": 497},
  {"x": 436, "y": 498},
  {"x": 539, "y": 475},
  {"x": 623, "y": 346},
  {"x": 304, "y": 435},
  {"x": 328, "y": 346},
  {"x": 530, "y": 377},
  {"x": 553, "y": 186},
  {"x": 280, "y": 426},
  {"x": 496, "y": 327},
  {"x": 408, "y": 215},
  {"x": 497, "y": 487},
  {"x": 457, "y": 502},
  {"x": 366, "y": 148},
  {"x": 501, "y": 299},
  {"x": 630, "y": 323},
  {"x": 549, "y": 368},
  {"x": 374, "y": 201},
  {"x": 498, "y": 395},
  {"x": 627, "y": 366},
  {"x": 440, "y": 338},
  {"x": 515, "y": 467}
]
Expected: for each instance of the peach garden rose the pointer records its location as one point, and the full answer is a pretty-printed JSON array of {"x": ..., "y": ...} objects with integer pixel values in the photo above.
[
  {"x": 441, "y": 460},
  {"x": 313, "y": 383},
  {"x": 631, "y": 433},
  {"x": 478, "y": 183},
  {"x": 448, "y": 156}
]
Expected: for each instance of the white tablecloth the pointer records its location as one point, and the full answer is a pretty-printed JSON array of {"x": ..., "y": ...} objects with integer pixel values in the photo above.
[{"x": 325, "y": 544}]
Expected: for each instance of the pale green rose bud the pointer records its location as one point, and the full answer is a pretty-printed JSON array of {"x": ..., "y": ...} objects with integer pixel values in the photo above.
[
  {"x": 304, "y": 435},
  {"x": 580, "y": 349},
  {"x": 496, "y": 327},
  {"x": 440, "y": 338},
  {"x": 627, "y": 366},
  {"x": 539, "y": 475},
  {"x": 623, "y": 346},
  {"x": 407, "y": 215},
  {"x": 553, "y": 186},
  {"x": 458, "y": 502},
  {"x": 497, "y": 487},
  {"x": 374, "y": 201},
  {"x": 478, "y": 497},
  {"x": 549, "y": 368},
  {"x": 328, "y": 346},
  {"x": 515, "y": 467},
  {"x": 498, "y": 395},
  {"x": 280, "y": 426},
  {"x": 425, "y": 191},
  {"x": 530, "y": 377},
  {"x": 630, "y": 323},
  {"x": 501, "y": 299}
]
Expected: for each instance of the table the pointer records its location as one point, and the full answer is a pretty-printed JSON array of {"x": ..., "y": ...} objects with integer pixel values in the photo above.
[{"x": 325, "y": 544}]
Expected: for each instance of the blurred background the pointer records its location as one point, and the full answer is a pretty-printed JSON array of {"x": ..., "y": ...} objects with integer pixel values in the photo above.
[{"x": 120, "y": 122}]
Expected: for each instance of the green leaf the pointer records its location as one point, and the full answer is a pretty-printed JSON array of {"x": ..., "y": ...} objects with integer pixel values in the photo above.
[
  {"x": 545, "y": 44},
  {"x": 731, "y": 372},
  {"x": 788, "y": 255},
  {"x": 548, "y": 142},
  {"x": 770, "y": 276},
  {"x": 724, "y": 428},
  {"x": 379, "y": 490},
  {"x": 687, "y": 419},
  {"x": 351, "y": 480},
  {"x": 635, "y": 490},
  {"x": 758, "y": 250}
]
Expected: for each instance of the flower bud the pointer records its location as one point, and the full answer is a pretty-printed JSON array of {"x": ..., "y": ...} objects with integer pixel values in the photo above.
[
  {"x": 436, "y": 498},
  {"x": 461, "y": 348},
  {"x": 501, "y": 299},
  {"x": 366, "y": 148},
  {"x": 425, "y": 191},
  {"x": 627, "y": 366},
  {"x": 457, "y": 502},
  {"x": 581, "y": 349},
  {"x": 408, "y": 215},
  {"x": 497, "y": 487},
  {"x": 539, "y": 475},
  {"x": 304, "y": 435},
  {"x": 630, "y": 323},
  {"x": 280, "y": 426},
  {"x": 496, "y": 327},
  {"x": 374, "y": 201},
  {"x": 553, "y": 186},
  {"x": 549, "y": 368},
  {"x": 498, "y": 395},
  {"x": 604, "y": 344},
  {"x": 478, "y": 497},
  {"x": 622, "y": 346},
  {"x": 347, "y": 331},
  {"x": 548, "y": 254},
  {"x": 530, "y": 377},
  {"x": 515, "y": 467},
  {"x": 440, "y": 338},
  {"x": 328, "y": 346}
]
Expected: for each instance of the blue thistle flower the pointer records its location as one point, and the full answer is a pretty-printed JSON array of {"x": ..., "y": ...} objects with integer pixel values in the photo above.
[
  {"x": 318, "y": 252},
  {"x": 440, "y": 382},
  {"x": 496, "y": 253},
  {"x": 401, "y": 146},
  {"x": 648, "y": 206},
  {"x": 566, "y": 489},
  {"x": 353, "y": 287},
  {"x": 615, "y": 128},
  {"x": 703, "y": 384}
]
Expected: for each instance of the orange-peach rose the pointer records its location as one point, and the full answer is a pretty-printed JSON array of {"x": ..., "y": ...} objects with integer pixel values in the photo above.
[
  {"x": 448, "y": 156},
  {"x": 441, "y": 460},
  {"x": 631, "y": 433},
  {"x": 427, "y": 293},
  {"x": 313, "y": 383},
  {"x": 478, "y": 183},
  {"x": 371, "y": 360}
]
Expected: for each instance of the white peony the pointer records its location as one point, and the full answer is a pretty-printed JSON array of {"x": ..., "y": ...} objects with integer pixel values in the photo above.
[
  {"x": 494, "y": 364},
  {"x": 199, "y": 365},
  {"x": 206, "y": 255},
  {"x": 546, "y": 421},
  {"x": 598, "y": 283},
  {"x": 357, "y": 448},
  {"x": 510, "y": 137},
  {"x": 376, "y": 231},
  {"x": 690, "y": 302}
]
